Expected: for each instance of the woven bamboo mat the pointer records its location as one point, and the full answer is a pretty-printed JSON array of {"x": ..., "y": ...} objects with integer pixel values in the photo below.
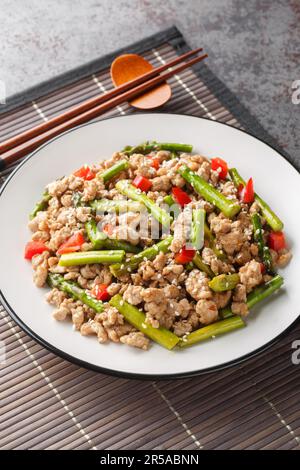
[{"x": 48, "y": 403}]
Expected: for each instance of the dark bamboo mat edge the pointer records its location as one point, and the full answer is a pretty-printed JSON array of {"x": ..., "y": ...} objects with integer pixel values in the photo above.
[{"x": 87, "y": 69}]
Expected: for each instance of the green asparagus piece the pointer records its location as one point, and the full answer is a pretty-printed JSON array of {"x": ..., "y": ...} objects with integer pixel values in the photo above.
[
  {"x": 189, "y": 266},
  {"x": 100, "y": 240},
  {"x": 41, "y": 205},
  {"x": 114, "y": 170},
  {"x": 212, "y": 195},
  {"x": 96, "y": 237},
  {"x": 147, "y": 147},
  {"x": 124, "y": 187},
  {"x": 169, "y": 200},
  {"x": 210, "y": 331},
  {"x": 273, "y": 220},
  {"x": 224, "y": 282},
  {"x": 264, "y": 251},
  {"x": 212, "y": 243},
  {"x": 199, "y": 263},
  {"x": 137, "y": 318},
  {"x": 258, "y": 294},
  {"x": 91, "y": 257},
  {"x": 198, "y": 217},
  {"x": 175, "y": 208},
  {"x": 73, "y": 290},
  {"x": 149, "y": 253},
  {"x": 261, "y": 292},
  {"x": 116, "y": 205}
]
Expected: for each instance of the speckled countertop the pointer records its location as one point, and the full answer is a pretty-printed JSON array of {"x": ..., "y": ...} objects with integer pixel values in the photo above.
[{"x": 253, "y": 46}]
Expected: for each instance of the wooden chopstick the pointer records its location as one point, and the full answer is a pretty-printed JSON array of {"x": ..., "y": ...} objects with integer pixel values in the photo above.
[
  {"x": 88, "y": 104},
  {"x": 24, "y": 143}
]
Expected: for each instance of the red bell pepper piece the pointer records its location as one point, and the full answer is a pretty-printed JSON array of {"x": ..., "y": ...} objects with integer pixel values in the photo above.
[
  {"x": 142, "y": 183},
  {"x": 180, "y": 196},
  {"x": 240, "y": 190},
  {"x": 220, "y": 166},
  {"x": 99, "y": 291},
  {"x": 74, "y": 243},
  {"x": 85, "y": 172},
  {"x": 108, "y": 228},
  {"x": 154, "y": 163},
  {"x": 34, "y": 248},
  {"x": 262, "y": 268},
  {"x": 277, "y": 241},
  {"x": 185, "y": 255},
  {"x": 248, "y": 192}
]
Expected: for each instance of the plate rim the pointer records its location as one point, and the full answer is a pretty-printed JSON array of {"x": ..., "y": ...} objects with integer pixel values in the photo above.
[{"x": 136, "y": 375}]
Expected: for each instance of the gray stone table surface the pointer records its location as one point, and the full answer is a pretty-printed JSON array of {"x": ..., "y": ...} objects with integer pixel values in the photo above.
[{"x": 253, "y": 45}]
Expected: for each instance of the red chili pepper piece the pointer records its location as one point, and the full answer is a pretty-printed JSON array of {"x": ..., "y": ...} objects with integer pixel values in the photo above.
[
  {"x": 99, "y": 291},
  {"x": 185, "y": 255},
  {"x": 277, "y": 241},
  {"x": 74, "y": 243},
  {"x": 34, "y": 248},
  {"x": 220, "y": 166},
  {"x": 85, "y": 172},
  {"x": 142, "y": 183},
  {"x": 181, "y": 197}
]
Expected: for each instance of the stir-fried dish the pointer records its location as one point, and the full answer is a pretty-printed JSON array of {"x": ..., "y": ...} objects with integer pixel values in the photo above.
[{"x": 156, "y": 243}]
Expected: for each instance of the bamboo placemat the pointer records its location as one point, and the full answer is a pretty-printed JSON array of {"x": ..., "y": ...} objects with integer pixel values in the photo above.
[{"x": 48, "y": 403}]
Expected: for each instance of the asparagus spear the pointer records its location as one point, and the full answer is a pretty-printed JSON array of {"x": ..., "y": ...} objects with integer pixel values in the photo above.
[
  {"x": 41, "y": 205},
  {"x": 199, "y": 263},
  {"x": 137, "y": 318},
  {"x": 124, "y": 187},
  {"x": 212, "y": 195},
  {"x": 273, "y": 220},
  {"x": 258, "y": 237},
  {"x": 210, "y": 331},
  {"x": 258, "y": 294},
  {"x": 116, "y": 205},
  {"x": 212, "y": 242},
  {"x": 224, "y": 282},
  {"x": 169, "y": 200},
  {"x": 101, "y": 240},
  {"x": 73, "y": 290},
  {"x": 91, "y": 257},
  {"x": 147, "y": 147},
  {"x": 114, "y": 170},
  {"x": 149, "y": 253},
  {"x": 198, "y": 216},
  {"x": 96, "y": 237}
]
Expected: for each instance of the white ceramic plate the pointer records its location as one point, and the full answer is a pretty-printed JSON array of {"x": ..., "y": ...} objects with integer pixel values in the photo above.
[{"x": 275, "y": 180}]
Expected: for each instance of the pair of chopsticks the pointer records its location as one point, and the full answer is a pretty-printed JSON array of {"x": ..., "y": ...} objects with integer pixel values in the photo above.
[{"x": 16, "y": 147}]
